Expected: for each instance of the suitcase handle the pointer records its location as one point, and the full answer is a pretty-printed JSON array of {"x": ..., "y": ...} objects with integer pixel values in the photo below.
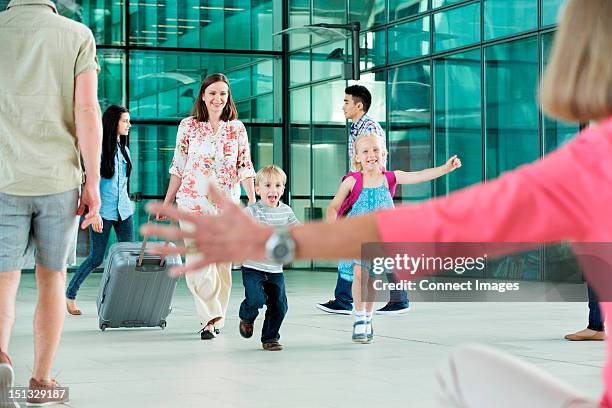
[{"x": 143, "y": 246}]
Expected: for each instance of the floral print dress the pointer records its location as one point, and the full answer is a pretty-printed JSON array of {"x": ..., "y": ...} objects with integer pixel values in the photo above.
[{"x": 202, "y": 156}]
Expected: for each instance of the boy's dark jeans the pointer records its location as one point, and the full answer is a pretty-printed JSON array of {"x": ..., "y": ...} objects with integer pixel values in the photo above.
[{"x": 263, "y": 288}]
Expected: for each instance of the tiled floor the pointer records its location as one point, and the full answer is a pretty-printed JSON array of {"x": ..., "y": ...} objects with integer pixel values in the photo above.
[{"x": 319, "y": 367}]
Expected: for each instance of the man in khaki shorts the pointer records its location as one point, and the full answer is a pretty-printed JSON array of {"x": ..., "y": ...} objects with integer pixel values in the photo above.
[{"x": 49, "y": 113}]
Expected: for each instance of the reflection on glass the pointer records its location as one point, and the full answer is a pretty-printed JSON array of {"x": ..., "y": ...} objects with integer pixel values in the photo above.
[
  {"x": 556, "y": 132},
  {"x": 442, "y": 3},
  {"x": 165, "y": 84},
  {"x": 404, "y": 8},
  {"x": 410, "y": 145},
  {"x": 265, "y": 146},
  {"x": 550, "y": 11},
  {"x": 299, "y": 68},
  {"x": 373, "y": 47},
  {"x": 411, "y": 150},
  {"x": 505, "y": 17},
  {"x": 328, "y": 60},
  {"x": 511, "y": 116},
  {"x": 329, "y": 159},
  {"x": 299, "y": 157},
  {"x": 300, "y": 106},
  {"x": 299, "y": 16},
  {"x": 367, "y": 12},
  {"x": 105, "y": 18},
  {"x": 327, "y": 102},
  {"x": 229, "y": 24},
  {"x": 110, "y": 79},
  {"x": 457, "y": 118},
  {"x": 456, "y": 27},
  {"x": 409, "y": 40},
  {"x": 151, "y": 149}
]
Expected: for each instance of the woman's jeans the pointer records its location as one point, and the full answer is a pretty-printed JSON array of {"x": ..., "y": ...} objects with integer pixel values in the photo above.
[
  {"x": 596, "y": 321},
  {"x": 124, "y": 229}
]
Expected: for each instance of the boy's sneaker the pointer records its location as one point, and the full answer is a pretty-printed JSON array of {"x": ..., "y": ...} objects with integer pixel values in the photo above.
[
  {"x": 272, "y": 346},
  {"x": 246, "y": 329},
  {"x": 359, "y": 332},
  {"x": 7, "y": 377},
  {"x": 48, "y": 394},
  {"x": 393, "y": 308},
  {"x": 333, "y": 306}
]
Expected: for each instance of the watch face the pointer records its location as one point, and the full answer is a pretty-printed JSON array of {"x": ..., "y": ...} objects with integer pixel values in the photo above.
[{"x": 280, "y": 251}]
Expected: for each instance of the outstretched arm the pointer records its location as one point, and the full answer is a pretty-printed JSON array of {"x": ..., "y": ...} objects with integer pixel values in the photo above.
[{"x": 415, "y": 177}]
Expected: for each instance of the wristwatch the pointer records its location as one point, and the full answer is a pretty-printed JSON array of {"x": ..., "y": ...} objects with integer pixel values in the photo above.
[{"x": 280, "y": 247}]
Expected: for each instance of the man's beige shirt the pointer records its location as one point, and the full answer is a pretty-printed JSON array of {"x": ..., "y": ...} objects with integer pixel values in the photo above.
[{"x": 40, "y": 56}]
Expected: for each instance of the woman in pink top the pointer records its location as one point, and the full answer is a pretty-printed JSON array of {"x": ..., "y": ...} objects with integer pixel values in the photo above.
[{"x": 564, "y": 196}]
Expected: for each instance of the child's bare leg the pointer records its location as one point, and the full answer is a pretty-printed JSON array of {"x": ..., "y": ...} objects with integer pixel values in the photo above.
[
  {"x": 360, "y": 324},
  {"x": 357, "y": 289},
  {"x": 370, "y": 294}
]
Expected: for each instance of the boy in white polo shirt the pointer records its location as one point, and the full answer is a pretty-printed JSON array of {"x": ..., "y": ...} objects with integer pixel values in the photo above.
[{"x": 264, "y": 283}]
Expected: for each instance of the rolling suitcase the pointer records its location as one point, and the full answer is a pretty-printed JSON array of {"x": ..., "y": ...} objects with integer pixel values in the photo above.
[{"x": 136, "y": 290}]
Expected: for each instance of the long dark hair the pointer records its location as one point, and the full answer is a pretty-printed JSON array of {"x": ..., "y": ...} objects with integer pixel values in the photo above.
[
  {"x": 110, "y": 121},
  {"x": 200, "y": 112}
]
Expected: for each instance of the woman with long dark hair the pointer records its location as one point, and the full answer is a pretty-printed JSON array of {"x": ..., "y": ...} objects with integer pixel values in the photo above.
[{"x": 116, "y": 210}]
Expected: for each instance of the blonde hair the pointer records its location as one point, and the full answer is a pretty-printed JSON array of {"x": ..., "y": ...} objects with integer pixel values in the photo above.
[
  {"x": 577, "y": 84},
  {"x": 266, "y": 173},
  {"x": 383, "y": 148}
]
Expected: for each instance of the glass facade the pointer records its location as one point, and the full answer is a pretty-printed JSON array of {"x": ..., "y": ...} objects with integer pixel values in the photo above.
[{"x": 447, "y": 77}]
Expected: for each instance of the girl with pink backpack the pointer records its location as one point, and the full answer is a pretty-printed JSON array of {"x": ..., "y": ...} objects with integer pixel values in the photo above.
[{"x": 365, "y": 191}]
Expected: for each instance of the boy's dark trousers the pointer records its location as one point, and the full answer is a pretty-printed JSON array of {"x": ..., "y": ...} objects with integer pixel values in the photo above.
[{"x": 263, "y": 288}]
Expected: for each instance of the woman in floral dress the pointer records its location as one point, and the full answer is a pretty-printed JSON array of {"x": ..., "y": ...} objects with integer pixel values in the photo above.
[{"x": 211, "y": 147}]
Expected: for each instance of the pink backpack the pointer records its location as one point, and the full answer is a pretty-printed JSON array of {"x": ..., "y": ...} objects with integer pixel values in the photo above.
[{"x": 351, "y": 199}]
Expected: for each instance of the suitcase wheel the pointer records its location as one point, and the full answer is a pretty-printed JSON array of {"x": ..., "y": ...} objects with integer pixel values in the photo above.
[
  {"x": 103, "y": 326},
  {"x": 162, "y": 324}
]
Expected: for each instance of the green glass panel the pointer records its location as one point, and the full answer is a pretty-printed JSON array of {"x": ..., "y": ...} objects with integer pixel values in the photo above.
[
  {"x": 374, "y": 44},
  {"x": 556, "y": 132},
  {"x": 300, "y": 106},
  {"x": 409, "y": 40},
  {"x": 457, "y": 116},
  {"x": 411, "y": 150},
  {"x": 442, "y": 3},
  {"x": 152, "y": 149},
  {"x": 224, "y": 24},
  {"x": 410, "y": 145},
  {"x": 511, "y": 116},
  {"x": 264, "y": 146},
  {"x": 367, "y": 12},
  {"x": 111, "y": 78},
  {"x": 164, "y": 85},
  {"x": 456, "y": 27},
  {"x": 329, "y": 159},
  {"x": 550, "y": 11},
  {"x": 506, "y": 17},
  {"x": 299, "y": 16},
  {"x": 328, "y": 60},
  {"x": 405, "y": 8},
  {"x": 327, "y": 103},
  {"x": 299, "y": 157},
  {"x": 105, "y": 18},
  {"x": 299, "y": 68}
]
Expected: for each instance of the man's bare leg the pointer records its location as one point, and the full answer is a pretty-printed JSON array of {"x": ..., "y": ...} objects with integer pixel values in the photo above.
[{"x": 48, "y": 320}]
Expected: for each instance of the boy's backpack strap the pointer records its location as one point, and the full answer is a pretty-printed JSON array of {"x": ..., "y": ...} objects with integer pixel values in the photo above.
[{"x": 391, "y": 181}]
